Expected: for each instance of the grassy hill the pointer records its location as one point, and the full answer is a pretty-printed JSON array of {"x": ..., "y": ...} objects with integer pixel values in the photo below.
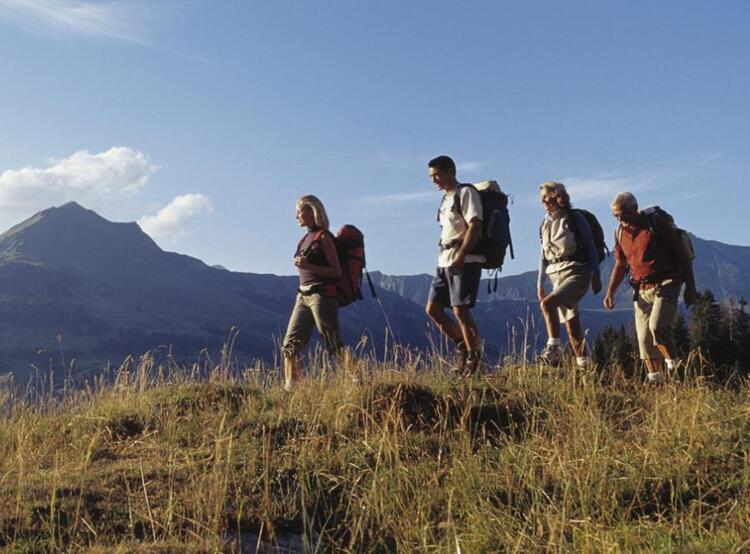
[{"x": 410, "y": 459}]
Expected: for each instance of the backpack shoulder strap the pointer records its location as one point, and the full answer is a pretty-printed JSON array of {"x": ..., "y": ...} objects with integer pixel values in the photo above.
[
  {"x": 457, "y": 195},
  {"x": 315, "y": 241}
]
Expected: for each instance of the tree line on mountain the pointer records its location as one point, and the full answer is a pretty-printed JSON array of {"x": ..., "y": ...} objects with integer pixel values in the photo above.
[{"x": 717, "y": 333}]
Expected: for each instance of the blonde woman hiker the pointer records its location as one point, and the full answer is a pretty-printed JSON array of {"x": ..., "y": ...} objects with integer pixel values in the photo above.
[
  {"x": 570, "y": 258},
  {"x": 316, "y": 304}
]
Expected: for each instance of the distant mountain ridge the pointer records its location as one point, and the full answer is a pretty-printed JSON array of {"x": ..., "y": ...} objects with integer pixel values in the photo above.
[
  {"x": 75, "y": 286},
  {"x": 720, "y": 267}
]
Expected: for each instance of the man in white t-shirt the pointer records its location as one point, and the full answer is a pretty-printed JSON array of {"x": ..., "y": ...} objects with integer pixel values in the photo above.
[{"x": 456, "y": 281}]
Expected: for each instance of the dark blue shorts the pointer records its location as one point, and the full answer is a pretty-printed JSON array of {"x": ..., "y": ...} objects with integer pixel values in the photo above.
[{"x": 456, "y": 286}]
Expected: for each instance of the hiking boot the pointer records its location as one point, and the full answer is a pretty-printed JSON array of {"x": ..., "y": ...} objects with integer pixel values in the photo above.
[
  {"x": 474, "y": 364},
  {"x": 462, "y": 359},
  {"x": 551, "y": 356}
]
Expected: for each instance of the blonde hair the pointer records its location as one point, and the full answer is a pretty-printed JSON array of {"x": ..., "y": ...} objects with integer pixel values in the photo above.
[
  {"x": 319, "y": 212},
  {"x": 625, "y": 201},
  {"x": 556, "y": 190}
]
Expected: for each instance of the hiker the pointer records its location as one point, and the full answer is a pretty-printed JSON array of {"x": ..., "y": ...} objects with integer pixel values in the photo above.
[
  {"x": 570, "y": 259},
  {"x": 459, "y": 269},
  {"x": 649, "y": 246},
  {"x": 319, "y": 268}
]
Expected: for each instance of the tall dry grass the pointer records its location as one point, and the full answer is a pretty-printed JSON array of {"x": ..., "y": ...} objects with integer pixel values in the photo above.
[{"x": 409, "y": 459}]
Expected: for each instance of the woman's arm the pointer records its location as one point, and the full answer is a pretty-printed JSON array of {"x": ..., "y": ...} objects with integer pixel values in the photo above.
[
  {"x": 541, "y": 276},
  {"x": 333, "y": 270}
]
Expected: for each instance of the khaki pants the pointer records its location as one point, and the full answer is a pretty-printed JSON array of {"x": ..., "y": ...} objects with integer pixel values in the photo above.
[
  {"x": 569, "y": 285},
  {"x": 312, "y": 310},
  {"x": 655, "y": 309}
]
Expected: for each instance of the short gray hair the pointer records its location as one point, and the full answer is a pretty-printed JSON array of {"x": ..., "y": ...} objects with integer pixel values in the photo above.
[{"x": 624, "y": 201}]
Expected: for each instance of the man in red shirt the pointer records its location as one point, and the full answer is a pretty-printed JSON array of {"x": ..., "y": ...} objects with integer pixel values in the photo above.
[{"x": 648, "y": 244}]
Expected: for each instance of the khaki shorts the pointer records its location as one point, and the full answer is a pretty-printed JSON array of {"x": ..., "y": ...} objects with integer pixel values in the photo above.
[
  {"x": 312, "y": 310},
  {"x": 569, "y": 285},
  {"x": 655, "y": 309}
]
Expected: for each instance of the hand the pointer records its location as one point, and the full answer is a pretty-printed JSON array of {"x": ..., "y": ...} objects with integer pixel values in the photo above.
[
  {"x": 596, "y": 283},
  {"x": 301, "y": 263},
  {"x": 541, "y": 293},
  {"x": 691, "y": 294},
  {"x": 458, "y": 260},
  {"x": 609, "y": 301}
]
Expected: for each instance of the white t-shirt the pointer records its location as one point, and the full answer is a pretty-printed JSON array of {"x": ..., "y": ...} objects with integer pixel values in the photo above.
[{"x": 454, "y": 226}]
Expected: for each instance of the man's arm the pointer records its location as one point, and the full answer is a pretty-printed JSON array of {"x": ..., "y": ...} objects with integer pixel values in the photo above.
[
  {"x": 471, "y": 238},
  {"x": 618, "y": 274},
  {"x": 471, "y": 210},
  {"x": 619, "y": 270}
]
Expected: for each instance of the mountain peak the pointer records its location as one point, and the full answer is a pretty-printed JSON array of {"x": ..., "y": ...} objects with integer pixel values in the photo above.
[{"x": 72, "y": 236}]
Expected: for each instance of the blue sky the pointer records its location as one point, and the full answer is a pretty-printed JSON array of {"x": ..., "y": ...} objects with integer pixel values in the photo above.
[{"x": 205, "y": 121}]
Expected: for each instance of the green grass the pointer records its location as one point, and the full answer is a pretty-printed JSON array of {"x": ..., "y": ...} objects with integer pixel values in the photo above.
[{"x": 525, "y": 460}]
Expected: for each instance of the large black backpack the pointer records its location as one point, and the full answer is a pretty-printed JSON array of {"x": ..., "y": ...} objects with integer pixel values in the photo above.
[
  {"x": 495, "y": 239},
  {"x": 657, "y": 212},
  {"x": 597, "y": 233}
]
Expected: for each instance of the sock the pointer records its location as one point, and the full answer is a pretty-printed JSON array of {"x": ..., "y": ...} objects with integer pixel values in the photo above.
[
  {"x": 583, "y": 361},
  {"x": 656, "y": 376},
  {"x": 670, "y": 364},
  {"x": 553, "y": 342}
]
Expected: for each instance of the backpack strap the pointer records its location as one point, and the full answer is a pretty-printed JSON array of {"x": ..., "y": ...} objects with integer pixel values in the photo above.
[
  {"x": 456, "y": 206},
  {"x": 457, "y": 197},
  {"x": 317, "y": 237},
  {"x": 369, "y": 282}
]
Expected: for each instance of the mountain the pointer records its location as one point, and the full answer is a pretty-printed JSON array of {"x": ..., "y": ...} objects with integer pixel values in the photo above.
[
  {"x": 77, "y": 289},
  {"x": 75, "y": 285},
  {"x": 722, "y": 268}
]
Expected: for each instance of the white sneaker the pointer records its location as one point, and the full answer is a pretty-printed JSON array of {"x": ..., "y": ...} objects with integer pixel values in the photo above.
[
  {"x": 551, "y": 356},
  {"x": 656, "y": 378}
]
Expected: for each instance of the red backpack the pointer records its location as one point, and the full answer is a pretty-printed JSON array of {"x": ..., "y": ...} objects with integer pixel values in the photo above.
[{"x": 350, "y": 245}]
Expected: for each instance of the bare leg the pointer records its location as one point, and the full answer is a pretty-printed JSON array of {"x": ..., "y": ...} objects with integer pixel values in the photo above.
[
  {"x": 468, "y": 327},
  {"x": 575, "y": 335},
  {"x": 291, "y": 370},
  {"x": 549, "y": 307},
  {"x": 664, "y": 349},
  {"x": 447, "y": 326}
]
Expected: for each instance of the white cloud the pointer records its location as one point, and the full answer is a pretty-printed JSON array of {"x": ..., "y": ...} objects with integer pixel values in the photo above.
[
  {"x": 471, "y": 167},
  {"x": 595, "y": 188},
  {"x": 401, "y": 198},
  {"x": 170, "y": 223},
  {"x": 95, "y": 180},
  {"x": 124, "y": 20}
]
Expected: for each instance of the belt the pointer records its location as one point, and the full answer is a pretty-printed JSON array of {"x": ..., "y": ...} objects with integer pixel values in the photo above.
[
  {"x": 449, "y": 245},
  {"x": 659, "y": 284},
  {"x": 323, "y": 289},
  {"x": 571, "y": 258}
]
